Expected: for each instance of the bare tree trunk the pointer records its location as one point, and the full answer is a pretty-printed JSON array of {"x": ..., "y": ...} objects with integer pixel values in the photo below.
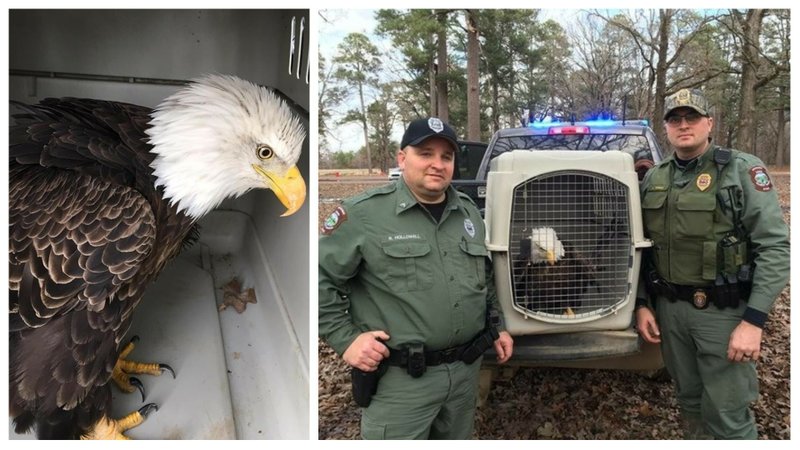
[
  {"x": 718, "y": 133},
  {"x": 751, "y": 30},
  {"x": 780, "y": 144},
  {"x": 432, "y": 86},
  {"x": 729, "y": 138},
  {"x": 661, "y": 79},
  {"x": 441, "y": 76},
  {"x": 366, "y": 130},
  {"x": 495, "y": 107},
  {"x": 787, "y": 160},
  {"x": 473, "y": 99},
  {"x": 513, "y": 114}
]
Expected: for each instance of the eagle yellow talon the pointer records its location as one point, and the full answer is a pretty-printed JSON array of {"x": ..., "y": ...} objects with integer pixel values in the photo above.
[
  {"x": 124, "y": 368},
  {"x": 110, "y": 429},
  {"x": 138, "y": 367}
]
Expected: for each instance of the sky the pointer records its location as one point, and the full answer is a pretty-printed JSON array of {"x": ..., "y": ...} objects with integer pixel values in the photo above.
[{"x": 335, "y": 24}]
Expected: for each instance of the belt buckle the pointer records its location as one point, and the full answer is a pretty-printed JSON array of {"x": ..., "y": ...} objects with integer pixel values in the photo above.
[
  {"x": 700, "y": 299},
  {"x": 449, "y": 355}
]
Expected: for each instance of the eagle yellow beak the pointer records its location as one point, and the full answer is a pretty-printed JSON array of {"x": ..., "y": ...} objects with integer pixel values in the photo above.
[
  {"x": 551, "y": 258},
  {"x": 290, "y": 188}
]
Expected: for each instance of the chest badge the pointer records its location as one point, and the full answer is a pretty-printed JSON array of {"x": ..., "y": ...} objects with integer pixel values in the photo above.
[
  {"x": 703, "y": 181},
  {"x": 469, "y": 227}
]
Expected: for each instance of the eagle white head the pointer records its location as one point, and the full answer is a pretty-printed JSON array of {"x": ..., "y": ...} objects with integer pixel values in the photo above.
[
  {"x": 222, "y": 136},
  {"x": 545, "y": 246}
]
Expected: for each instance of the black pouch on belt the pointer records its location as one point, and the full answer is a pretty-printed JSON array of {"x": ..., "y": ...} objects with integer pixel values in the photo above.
[
  {"x": 365, "y": 384},
  {"x": 416, "y": 360},
  {"x": 479, "y": 345}
]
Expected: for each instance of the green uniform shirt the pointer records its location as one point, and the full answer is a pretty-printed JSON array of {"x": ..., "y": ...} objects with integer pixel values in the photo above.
[
  {"x": 384, "y": 264},
  {"x": 682, "y": 215}
]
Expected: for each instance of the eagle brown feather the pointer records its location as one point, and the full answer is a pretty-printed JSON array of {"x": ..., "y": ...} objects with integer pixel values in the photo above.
[{"x": 84, "y": 217}]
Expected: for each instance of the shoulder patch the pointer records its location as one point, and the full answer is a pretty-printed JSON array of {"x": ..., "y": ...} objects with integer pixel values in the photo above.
[
  {"x": 760, "y": 179},
  {"x": 332, "y": 222}
]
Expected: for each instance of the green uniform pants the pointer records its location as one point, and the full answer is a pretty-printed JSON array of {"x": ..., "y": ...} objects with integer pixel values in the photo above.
[
  {"x": 438, "y": 405},
  {"x": 714, "y": 394}
]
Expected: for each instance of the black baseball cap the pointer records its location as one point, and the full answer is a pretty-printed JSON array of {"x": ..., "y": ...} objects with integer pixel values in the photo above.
[{"x": 421, "y": 129}]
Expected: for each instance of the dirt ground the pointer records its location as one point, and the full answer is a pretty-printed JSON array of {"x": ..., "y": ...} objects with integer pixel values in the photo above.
[{"x": 549, "y": 403}]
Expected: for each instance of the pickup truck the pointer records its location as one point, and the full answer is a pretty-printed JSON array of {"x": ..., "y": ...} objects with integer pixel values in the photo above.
[{"x": 631, "y": 136}]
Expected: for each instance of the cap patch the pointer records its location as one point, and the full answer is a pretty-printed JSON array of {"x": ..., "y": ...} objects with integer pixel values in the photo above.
[
  {"x": 435, "y": 124},
  {"x": 690, "y": 98},
  {"x": 760, "y": 179},
  {"x": 337, "y": 217}
]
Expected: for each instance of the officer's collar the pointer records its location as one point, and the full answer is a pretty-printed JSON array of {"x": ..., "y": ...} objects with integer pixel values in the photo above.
[
  {"x": 695, "y": 162},
  {"x": 406, "y": 200}
]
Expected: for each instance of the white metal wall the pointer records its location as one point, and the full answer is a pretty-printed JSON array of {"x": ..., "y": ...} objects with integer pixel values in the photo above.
[{"x": 160, "y": 44}]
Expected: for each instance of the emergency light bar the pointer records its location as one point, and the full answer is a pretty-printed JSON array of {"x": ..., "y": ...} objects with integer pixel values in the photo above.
[
  {"x": 550, "y": 124},
  {"x": 568, "y": 130}
]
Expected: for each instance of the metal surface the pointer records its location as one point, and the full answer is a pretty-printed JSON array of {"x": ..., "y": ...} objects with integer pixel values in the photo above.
[
  {"x": 551, "y": 348},
  {"x": 590, "y": 216}
]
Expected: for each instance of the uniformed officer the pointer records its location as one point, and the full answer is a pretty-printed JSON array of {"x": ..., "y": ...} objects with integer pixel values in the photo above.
[
  {"x": 405, "y": 286},
  {"x": 720, "y": 258}
]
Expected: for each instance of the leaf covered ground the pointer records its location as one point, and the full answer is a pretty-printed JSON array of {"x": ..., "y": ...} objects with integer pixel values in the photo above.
[{"x": 550, "y": 403}]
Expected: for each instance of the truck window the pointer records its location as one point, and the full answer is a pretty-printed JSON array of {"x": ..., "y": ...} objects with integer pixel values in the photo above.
[
  {"x": 468, "y": 160},
  {"x": 601, "y": 142}
]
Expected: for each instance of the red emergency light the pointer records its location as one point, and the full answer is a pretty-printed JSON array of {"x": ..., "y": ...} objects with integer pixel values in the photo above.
[{"x": 568, "y": 130}]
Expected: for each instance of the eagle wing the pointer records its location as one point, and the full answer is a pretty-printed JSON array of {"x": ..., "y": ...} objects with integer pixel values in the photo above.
[
  {"x": 74, "y": 243},
  {"x": 78, "y": 234},
  {"x": 94, "y": 137}
]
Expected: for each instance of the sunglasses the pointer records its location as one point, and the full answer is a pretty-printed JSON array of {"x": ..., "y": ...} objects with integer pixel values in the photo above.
[{"x": 691, "y": 119}]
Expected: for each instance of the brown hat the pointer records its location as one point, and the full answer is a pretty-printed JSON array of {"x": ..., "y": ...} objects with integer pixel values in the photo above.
[{"x": 689, "y": 98}]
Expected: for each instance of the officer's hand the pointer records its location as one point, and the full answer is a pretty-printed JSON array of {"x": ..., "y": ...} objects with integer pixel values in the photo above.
[
  {"x": 745, "y": 343},
  {"x": 504, "y": 346},
  {"x": 646, "y": 325},
  {"x": 366, "y": 351}
]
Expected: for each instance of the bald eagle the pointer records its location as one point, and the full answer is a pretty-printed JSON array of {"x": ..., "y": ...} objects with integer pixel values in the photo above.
[
  {"x": 101, "y": 196},
  {"x": 551, "y": 276}
]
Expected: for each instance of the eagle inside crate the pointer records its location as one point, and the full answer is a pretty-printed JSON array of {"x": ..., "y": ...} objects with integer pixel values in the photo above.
[{"x": 551, "y": 276}]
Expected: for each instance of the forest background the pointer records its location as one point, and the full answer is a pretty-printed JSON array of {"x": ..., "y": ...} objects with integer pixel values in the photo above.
[{"x": 485, "y": 70}]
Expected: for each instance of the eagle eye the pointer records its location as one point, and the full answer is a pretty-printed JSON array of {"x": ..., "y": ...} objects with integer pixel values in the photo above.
[{"x": 265, "y": 152}]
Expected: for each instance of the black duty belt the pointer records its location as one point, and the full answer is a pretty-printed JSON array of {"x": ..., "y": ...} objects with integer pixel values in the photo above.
[
  {"x": 699, "y": 296},
  {"x": 432, "y": 357}
]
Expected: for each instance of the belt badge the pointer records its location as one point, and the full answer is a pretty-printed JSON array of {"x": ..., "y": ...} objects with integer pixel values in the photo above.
[
  {"x": 703, "y": 181},
  {"x": 700, "y": 299}
]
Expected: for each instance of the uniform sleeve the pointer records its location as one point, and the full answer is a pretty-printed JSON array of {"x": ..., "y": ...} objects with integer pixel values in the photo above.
[
  {"x": 769, "y": 237},
  {"x": 491, "y": 294},
  {"x": 642, "y": 295},
  {"x": 492, "y": 303},
  {"x": 339, "y": 259}
]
